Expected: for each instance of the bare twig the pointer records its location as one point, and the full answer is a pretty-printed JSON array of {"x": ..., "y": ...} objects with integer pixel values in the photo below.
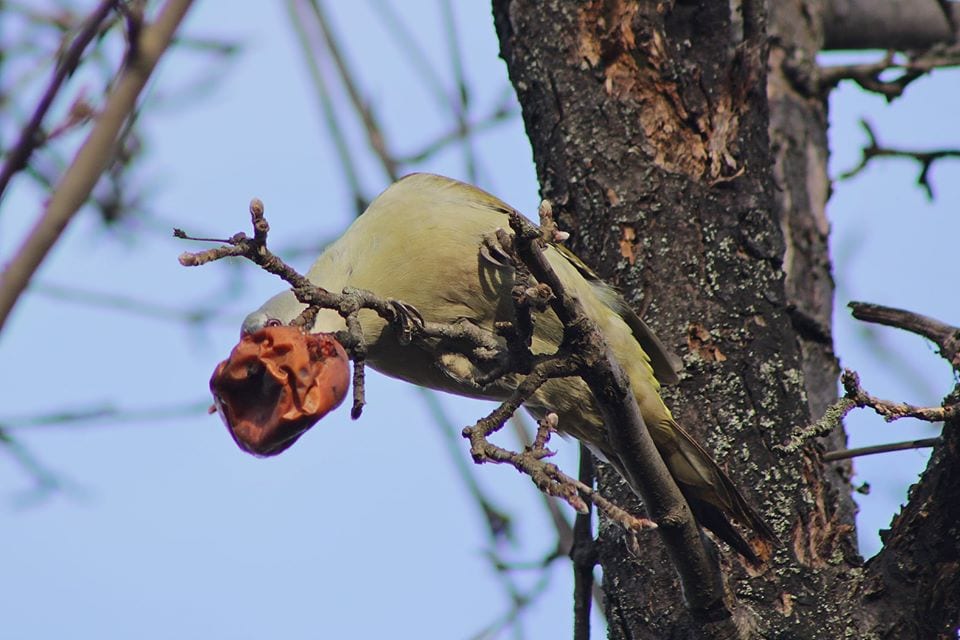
[
  {"x": 913, "y": 66},
  {"x": 105, "y": 414},
  {"x": 93, "y": 157},
  {"x": 459, "y": 132},
  {"x": 893, "y": 410},
  {"x": 127, "y": 304},
  {"x": 560, "y": 523},
  {"x": 461, "y": 107},
  {"x": 370, "y": 124},
  {"x": 312, "y": 56},
  {"x": 584, "y": 556},
  {"x": 545, "y": 475},
  {"x": 45, "y": 481},
  {"x": 411, "y": 46},
  {"x": 924, "y": 158},
  {"x": 947, "y": 339},
  {"x": 31, "y": 136},
  {"x": 842, "y": 454},
  {"x": 855, "y": 397},
  {"x": 945, "y": 336}
]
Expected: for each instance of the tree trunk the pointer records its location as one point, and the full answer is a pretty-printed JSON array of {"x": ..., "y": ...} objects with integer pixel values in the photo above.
[{"x": 698, "y": 185}]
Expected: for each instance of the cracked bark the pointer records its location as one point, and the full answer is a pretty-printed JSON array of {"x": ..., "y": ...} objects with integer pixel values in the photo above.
[{"x": 697, "y": 184}]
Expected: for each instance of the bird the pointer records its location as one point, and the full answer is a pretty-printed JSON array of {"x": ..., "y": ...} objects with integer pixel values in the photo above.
[{"x": 430, "y": 242}]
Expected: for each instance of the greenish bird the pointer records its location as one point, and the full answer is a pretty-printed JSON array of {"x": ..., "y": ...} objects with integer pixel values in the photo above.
[{"x": 429, "y": 241}]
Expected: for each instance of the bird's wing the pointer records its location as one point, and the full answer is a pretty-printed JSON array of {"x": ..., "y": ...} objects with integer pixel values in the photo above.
[{"x": 666, "y": 364}]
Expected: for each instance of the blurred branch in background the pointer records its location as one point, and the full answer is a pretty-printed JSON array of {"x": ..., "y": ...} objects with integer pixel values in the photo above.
[
  {"x": 189, "y": 315},
  {"x": 498, "y": 523},
  {"x": 31, "y": 136},
  {"x": 324, "y": 57},
  {"x": 106, "y": 414},
  {"x": 875, "y": 76},
  {"x": 47, "y": 481},
  {"x": 362, "y": 110},
  {"x": 87, "y": 57},
  {"x": 95, "y": 154},
  {"x": 925, "y": 159},
  {"x": 313, "y": 55}
]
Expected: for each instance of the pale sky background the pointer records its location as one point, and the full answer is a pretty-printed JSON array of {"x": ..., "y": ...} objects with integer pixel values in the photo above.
[{"x": 362, "y": 529}]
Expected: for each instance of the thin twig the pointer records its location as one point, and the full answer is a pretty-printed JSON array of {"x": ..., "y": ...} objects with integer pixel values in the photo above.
[
  {"x": 127, "y": 304},
  {"x": 947, "y": 339},
  {"x": 461, "y": 107},
  {"x": 93, "y": 157},
  {"x": 945, "y": 336},
  {"x": 410, "y": 45},
  {"x": 584, "y": 556},
  {"x": 370, "y": 124},
  {"x": 30, "y": 136},
  {"x": 312, "y": 56},
  {"x": 843, "y": 454},
  {"x": 870, "y": 75},
  {"x": 855, "y": 397},
  {"x": 894, "y": 410},
  {"x": 545, "y": 475},
  {"x": 926, "y": 159}
]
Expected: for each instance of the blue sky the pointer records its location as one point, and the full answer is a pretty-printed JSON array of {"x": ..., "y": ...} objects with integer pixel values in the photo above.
[{"x": 165, "y": 529}]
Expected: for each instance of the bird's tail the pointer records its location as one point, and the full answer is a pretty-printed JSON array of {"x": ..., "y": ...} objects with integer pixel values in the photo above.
[{"x": 713, "y": 497}]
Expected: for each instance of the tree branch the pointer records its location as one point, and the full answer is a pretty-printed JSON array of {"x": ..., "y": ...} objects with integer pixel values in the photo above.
[
  {"x": 628, "y": 435},
  {"x": 31, "y": 136},
  {"x": 855, "y": 397},
  {"x": 892, "y": 24},
  {"x": 924, "y": 158},
  {"x": 371, "y": 126},
  {"x": 946, "y": 337},
  {"x": 843, "y": 454},
  {"x": 94, "y": 155},
  {"x": 583, "y": 553}
]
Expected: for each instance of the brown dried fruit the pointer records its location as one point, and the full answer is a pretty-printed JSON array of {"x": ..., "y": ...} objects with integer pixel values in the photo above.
[{"x": 276, "y": 384}]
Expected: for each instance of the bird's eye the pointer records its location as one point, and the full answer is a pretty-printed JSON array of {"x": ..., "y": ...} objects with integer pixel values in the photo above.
[{"x": 272, "y": 322}]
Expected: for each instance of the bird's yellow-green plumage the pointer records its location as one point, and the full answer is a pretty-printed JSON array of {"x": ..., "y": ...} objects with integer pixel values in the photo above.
[{"x": 420, "y": 242}]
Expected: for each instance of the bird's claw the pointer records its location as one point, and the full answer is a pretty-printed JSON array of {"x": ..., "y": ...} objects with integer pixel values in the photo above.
[
  {"x": 492, "y": 248},
  {"x": 407, "y": 320}
]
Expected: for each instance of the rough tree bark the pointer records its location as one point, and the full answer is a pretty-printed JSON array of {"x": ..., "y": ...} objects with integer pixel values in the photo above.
[{"x": 696, "y": 180}]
